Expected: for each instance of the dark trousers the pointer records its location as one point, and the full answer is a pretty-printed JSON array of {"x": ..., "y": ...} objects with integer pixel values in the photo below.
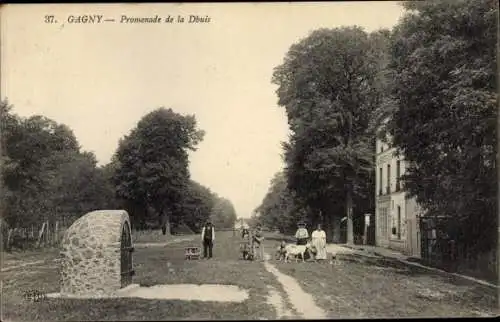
[
  {"x": 207, "y": 245},
  {"x": 301, "y": 241}
]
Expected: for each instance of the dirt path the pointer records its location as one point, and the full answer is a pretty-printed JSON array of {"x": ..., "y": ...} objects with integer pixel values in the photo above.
[
  {"x": 162, "y": 244},
  {"x": 11, "y": 267},
  {"x": 276, "y": 300},
  {"x": 302, "y": 302},
  {"x": 21, "y": 264}
]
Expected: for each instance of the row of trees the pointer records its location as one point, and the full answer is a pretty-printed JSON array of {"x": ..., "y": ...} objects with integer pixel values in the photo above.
[
  {"x": 47, "y": 176},
  {"x": 330, "y": 87},
  {"x": 430, "y": 82}
]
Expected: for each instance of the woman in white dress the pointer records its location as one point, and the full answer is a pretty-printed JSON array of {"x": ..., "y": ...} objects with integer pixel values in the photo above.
[{"x": 319, "y": 242}]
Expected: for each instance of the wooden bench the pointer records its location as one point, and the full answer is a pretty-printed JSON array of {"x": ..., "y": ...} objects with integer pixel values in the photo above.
[{"x": 192, "y": 253}]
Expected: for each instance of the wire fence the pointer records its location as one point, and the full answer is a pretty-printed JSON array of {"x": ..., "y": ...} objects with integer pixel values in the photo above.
[
  {"x": 50, "y": 234},
  {"x": 46, "y": 234}
]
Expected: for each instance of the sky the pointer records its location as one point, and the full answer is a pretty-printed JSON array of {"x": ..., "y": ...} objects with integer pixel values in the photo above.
[{"x": 100, "y": 79}]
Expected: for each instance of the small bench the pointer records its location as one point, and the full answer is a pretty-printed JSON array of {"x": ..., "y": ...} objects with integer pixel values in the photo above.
[{"x": 192, "y": 253}]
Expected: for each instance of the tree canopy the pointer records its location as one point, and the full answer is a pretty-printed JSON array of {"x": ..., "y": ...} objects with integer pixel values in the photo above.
[
  {"x": 443, "y": 55},
  {"x": 46, "y": 176},
  {"x": 330, "y": 86},
  {"x": 197, "y": 206},
  {"x": 223, "y": 214},
  {"x": 429, "y": 85},
  {"x": 278, "y": 209},
  {"x": 152, "y": 162}
]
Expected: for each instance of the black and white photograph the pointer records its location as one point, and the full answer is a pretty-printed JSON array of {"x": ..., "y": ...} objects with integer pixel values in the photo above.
[{"x": 249, "y": 160}]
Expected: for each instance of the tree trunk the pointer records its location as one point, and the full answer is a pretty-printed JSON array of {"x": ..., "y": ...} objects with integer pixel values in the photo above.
[
  {"x": 40, "y": 235},
  {"x": 327, "y": 227},
  {"x": 335, "y": 220},
  {"x": 165, "y": 223},
  {"x": 56, "y": 233},
  {"x": 350, "y": 232}
]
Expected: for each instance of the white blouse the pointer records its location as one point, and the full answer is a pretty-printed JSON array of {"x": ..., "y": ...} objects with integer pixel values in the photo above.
[{"x": 318, "y": 234}]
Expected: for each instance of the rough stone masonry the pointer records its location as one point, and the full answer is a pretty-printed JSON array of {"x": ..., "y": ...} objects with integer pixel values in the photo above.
[{"x": 91, "y": 254}]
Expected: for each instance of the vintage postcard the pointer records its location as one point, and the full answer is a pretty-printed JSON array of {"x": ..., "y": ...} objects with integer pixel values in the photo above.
[{"x": 218, "y": 161}]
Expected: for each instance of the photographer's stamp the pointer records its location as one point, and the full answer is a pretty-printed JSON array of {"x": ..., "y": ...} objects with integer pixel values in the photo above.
[{"x": 34, "y": 295}]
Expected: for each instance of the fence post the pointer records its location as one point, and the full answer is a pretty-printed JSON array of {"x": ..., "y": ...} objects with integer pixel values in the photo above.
[
  {"x": 40, "y": 234},
  {"x": 50, "y": 232},
  {"x": 9, "y": 237},
  {"x": 56, "y": 233},
  {"x": 47, "y": 233}
]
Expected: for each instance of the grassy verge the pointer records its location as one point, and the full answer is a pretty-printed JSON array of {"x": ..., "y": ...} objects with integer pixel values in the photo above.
[
  {"x": 359, "y": 286},
  {"x": 16, "y": 257},
  {"x": 151, "y": 265},
  {"x": 362, "y": 289}
]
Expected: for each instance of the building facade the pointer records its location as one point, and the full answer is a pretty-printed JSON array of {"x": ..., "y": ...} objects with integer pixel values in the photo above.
[{"x": 396, "y": 215}]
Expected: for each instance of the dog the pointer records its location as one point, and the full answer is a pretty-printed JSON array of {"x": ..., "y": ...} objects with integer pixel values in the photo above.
[{"x": 296, "y": 251}]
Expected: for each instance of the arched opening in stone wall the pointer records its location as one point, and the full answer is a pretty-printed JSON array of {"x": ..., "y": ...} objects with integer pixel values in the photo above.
[{"x": 126, "y": 269}]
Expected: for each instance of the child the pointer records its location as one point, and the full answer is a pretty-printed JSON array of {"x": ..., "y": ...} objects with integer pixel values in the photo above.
[
  {"x": 258, "y": 238},
  {"x": 282, "y": 250},
  {"x": 245, "y": 245}
]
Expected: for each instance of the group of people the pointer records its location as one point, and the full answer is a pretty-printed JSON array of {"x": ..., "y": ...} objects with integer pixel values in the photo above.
[
  {"x": 252, "y": 242},
  {"x": 317, "y": 240},
  {"x": 252, "y": 245}
]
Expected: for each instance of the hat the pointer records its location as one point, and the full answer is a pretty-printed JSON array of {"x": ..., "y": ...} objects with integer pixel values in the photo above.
[{"x": 301, "y": 223}]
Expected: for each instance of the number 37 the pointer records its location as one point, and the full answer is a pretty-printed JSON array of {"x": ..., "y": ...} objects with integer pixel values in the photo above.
[{"x": 50, "y": 19}]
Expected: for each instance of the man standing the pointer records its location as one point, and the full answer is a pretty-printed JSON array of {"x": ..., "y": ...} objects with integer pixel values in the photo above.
[{"x": 208, "y": 237}]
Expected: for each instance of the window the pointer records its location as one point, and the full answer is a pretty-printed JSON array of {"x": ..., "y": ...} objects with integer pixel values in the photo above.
[
  {"x": 383, "y": 222},
  {"x": 398, "y": 175},
  {"x": 399, "y": 222},
  {"x": 386, "y": 227},
  {"x": 380, "y": 182},
  {"x": 388, "y": 178}
]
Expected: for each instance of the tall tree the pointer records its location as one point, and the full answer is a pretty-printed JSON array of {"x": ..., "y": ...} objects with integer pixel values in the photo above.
[
  {"x": 223, "y": 213},
  {"x": 152, "y": 162},
  {"x": 197, "y": 206},
  {"x": 445, "y": 69},
  {"x": 329, "y": 87},
  {"x": 45, "y": 176},
  {"x": 278, "y": 209},
  {"x": 75, "y": 185}
]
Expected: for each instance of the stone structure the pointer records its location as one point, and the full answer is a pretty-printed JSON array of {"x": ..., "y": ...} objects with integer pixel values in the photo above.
[{"x": 96, "y": 258}]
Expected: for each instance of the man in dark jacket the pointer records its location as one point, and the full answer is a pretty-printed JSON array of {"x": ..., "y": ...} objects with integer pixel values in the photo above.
[{"x": 208, "y": 237}]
